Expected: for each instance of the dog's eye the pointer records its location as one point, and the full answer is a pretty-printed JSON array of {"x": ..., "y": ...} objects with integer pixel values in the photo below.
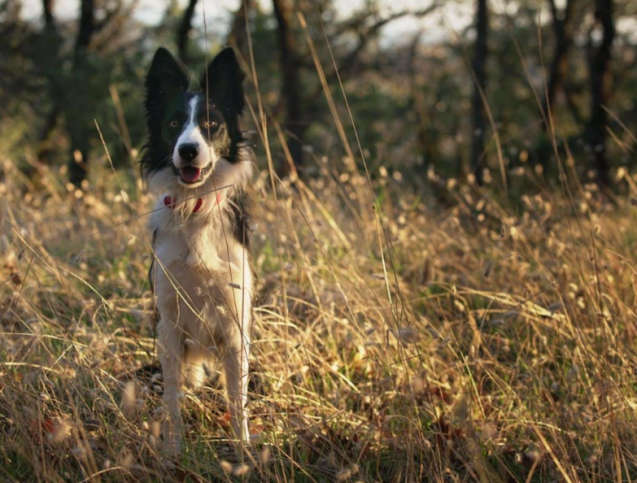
[
  {"x": 173, "y": 124},
  {"x": 210, "y": 124}
]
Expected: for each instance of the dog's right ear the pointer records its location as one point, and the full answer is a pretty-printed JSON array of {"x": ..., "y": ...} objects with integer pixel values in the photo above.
[
  {"x": 222, "y": 82},
  {"x": 166, "y": 78}
]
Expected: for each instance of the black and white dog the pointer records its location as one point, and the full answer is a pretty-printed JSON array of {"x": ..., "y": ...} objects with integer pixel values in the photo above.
[{"x": 198, "y": 164}]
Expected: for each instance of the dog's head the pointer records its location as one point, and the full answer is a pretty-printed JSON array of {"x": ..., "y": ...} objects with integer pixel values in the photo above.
[{"x": 189, "y": 132}]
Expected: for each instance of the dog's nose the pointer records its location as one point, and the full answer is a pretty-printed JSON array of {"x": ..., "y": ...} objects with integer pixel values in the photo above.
[{"x": 188, "y": 152}]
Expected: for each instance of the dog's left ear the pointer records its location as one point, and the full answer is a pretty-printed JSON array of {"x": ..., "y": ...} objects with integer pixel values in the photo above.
[{"x": 222, "y": 83}]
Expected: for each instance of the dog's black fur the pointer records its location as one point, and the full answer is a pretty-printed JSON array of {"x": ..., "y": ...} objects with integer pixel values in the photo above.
[{"x": 221, "y": 98}]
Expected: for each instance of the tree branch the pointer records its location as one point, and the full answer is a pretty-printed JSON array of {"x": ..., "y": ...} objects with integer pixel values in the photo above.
[
  {"x": 349, "y": 62},
  {"x": 185, "y": 26}
]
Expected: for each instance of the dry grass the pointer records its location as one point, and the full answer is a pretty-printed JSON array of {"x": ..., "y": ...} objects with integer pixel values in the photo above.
[
  {"x": 481, "y": 342},
  {"x": 397, "y": 338}
]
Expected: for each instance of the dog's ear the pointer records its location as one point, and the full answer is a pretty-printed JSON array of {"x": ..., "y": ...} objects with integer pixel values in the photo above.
[
  {"x": 166, "y": 78},
  {"x": 222, "y": 83}
]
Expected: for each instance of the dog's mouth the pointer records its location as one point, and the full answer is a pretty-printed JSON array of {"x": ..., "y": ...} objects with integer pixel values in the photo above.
[{"x": 192, "y": 174}]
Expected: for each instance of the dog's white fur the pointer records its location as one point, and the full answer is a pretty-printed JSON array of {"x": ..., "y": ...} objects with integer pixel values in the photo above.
[
  {"x": 192, "y": 135},
  {"x": 203, "y": 288}
]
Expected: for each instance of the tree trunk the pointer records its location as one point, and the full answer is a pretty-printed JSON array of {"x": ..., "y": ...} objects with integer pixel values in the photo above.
[
  {"x": 86, "y": 28},
  {"x": 425, "y": 141},
  {"x": 49, "y": 20},
  {"x": 238, "y": 36},
  {"x": 78, "y": 121},
  {"x": 478, "y": 117},
  {"x": 52, "y": 42},
  {"x": 290, "y": 86},
  {"x": 185, "y": 26},
  {"x": 599, "y": 60},
  {"x": 44, "y": 149},
  {"x": 563, "y": 29}
]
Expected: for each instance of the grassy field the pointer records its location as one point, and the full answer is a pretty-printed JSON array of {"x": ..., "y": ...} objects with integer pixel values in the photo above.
[{"x": 401, "y": 338}]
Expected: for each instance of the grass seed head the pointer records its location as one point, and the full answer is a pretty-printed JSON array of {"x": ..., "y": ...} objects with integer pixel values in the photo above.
[
  {"x": 346, "y": 473},
  {"x": 128, "y": 399},
  {"x": 226, "y": 466},
  {"x": 241, "y": 470},
  {"x": 264, "y": 455}
]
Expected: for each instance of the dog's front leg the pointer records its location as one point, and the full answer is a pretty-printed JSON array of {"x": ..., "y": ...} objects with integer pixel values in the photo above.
[
  {"x": 236, "y": 368},
  {"x": 171, "y": 363},
  {"x": 235, "y": 330}
]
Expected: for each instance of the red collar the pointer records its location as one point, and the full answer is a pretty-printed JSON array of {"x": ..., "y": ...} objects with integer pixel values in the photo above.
[{"x": 171, "y": 202}]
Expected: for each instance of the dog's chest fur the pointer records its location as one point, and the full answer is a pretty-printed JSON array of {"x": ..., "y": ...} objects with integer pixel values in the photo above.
[
  {"x": 202, "y": 244},
  {"x": 202, "y": 273}
]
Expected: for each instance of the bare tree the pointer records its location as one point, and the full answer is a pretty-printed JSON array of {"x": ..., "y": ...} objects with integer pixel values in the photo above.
[
  {"x": 478, "y": 65},
  {"x": 599, "y": 58},
  {"x": 238, "y": 36},
  {"x": 290, "y": 85},
  {"x": 183, "y": 32},
  {"x": 347, "y": 66},
  {"x": 47, "y": 12},
  {"x": 86, "y": 29},
  {"x": 78, "y": 120},
  {"x": 350, "y": 63},
  {"x": 427, "y": 146},
  {"x": 563, "y": 29},
  {"x": 51, "y": 43}
]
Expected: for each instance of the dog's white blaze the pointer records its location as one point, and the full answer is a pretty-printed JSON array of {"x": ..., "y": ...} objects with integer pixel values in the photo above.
[{"x": 193, "y": 135}]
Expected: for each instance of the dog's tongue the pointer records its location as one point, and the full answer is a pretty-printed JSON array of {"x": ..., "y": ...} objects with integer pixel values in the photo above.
[{"x": 190, "y": 174}]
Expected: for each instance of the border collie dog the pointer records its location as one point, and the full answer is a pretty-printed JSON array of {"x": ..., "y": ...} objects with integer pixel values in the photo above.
[{"x": 198, "y": 164}]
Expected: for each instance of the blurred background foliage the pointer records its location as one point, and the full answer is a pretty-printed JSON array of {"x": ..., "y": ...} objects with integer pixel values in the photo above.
[{"x": 520, "y": 87}]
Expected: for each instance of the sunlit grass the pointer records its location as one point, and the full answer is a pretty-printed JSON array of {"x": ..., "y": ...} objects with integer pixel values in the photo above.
[{"x": 495, "y": 344}]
